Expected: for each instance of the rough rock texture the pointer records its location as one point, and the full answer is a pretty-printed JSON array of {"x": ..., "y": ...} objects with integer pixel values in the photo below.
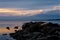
[{"x": 38, "y": 31}]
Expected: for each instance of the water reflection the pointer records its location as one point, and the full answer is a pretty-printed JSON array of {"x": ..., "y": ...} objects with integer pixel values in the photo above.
[{"x": 12, "y": 24}]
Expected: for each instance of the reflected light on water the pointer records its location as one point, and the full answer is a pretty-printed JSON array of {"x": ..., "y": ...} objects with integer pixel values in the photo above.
[{"x": 3, "y": 30}]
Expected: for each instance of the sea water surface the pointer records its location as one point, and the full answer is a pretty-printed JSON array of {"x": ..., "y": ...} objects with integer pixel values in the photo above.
[
  {"x": 19, "y": 23},
  {"x": 12, "y": 24}
]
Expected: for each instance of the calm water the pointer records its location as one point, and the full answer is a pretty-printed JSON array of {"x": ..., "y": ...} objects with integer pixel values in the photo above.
[
  {"x": 12, "y": 24},
  {"x": 18, "y": 23}
]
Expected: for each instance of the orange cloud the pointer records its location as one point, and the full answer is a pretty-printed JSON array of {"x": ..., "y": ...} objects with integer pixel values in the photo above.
[{"x": 15, "y": 12}]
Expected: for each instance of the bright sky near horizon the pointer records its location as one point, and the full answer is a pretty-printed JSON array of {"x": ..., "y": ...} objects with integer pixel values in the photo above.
[{"x": 27, "y": 7}]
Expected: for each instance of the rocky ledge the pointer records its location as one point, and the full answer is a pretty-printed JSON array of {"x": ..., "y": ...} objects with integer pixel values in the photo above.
[{"x": 37, "y": 31}]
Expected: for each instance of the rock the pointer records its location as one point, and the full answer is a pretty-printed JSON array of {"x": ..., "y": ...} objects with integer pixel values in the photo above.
[{"x": 38, "y": 31}]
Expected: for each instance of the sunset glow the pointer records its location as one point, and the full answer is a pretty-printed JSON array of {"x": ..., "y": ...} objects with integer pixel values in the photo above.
[
  {"x": 4, "y": 30},
  {"x": 15, "y": 12},
  {"x": 20, "y": 12}
]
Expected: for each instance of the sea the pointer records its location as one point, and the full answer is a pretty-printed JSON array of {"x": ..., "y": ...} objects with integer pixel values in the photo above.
[
  {"x": 12, "y": 24},
  {"x": 19, "y": 23}
]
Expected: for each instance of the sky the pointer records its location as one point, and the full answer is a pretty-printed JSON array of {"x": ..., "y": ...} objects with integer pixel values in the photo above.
[{"x": 27, "y": 7}]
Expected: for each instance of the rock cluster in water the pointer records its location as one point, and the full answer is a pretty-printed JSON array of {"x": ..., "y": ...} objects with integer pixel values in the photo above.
[{"x": 38, "y": 31}]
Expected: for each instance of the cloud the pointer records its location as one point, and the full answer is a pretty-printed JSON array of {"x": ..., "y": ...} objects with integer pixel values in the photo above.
[
  {"x": 15, "y": 12},
  {"x": 53, "y": 8},
  {"x": 24, "y": 12},
  {"x": 56, "y": 8}
]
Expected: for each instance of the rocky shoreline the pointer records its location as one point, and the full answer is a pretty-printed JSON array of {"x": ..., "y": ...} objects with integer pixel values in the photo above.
[{"x": 37, "y": 31}]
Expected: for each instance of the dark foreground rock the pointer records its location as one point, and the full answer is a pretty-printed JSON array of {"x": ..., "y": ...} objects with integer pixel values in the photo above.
[{"x": 38, "y": 31}]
